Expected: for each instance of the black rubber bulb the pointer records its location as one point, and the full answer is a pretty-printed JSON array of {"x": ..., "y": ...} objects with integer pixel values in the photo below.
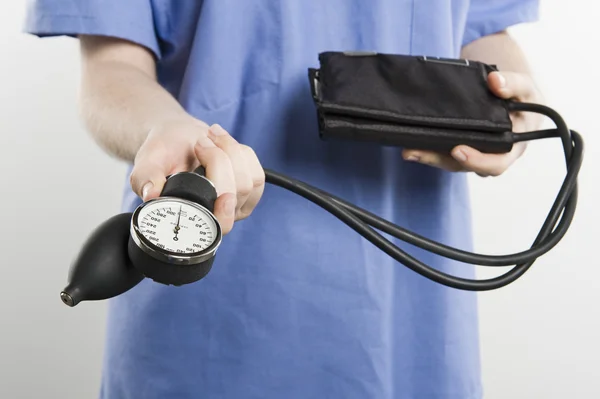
[{"x": 102, "y": 268}]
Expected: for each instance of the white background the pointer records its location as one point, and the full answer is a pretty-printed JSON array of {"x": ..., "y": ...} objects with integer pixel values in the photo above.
[{"x": 540, "y": 336}]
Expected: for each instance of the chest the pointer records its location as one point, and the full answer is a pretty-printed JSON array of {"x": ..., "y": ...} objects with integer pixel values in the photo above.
[
  {"x": 220, "y": 56},
  {"x": 408, "y": 26}
]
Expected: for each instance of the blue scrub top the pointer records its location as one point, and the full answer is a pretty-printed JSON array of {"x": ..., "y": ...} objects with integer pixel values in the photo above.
[{"x": 297, "y": 306}]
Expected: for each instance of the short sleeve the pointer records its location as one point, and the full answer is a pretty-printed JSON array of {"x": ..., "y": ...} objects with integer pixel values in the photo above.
[
  {"x": 486, "y": 17},
  {"x": 130, "y": 20}
]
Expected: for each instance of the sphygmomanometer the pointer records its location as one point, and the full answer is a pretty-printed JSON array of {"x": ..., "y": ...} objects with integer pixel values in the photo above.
[{"x": 417, "y": 102}]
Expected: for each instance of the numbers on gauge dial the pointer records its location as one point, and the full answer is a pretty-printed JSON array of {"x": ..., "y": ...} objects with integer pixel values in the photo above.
[{"x": 177, "y": 227}]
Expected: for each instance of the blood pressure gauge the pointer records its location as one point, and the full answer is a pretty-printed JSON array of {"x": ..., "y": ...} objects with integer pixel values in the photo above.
[{"x": 174, "y": 238}]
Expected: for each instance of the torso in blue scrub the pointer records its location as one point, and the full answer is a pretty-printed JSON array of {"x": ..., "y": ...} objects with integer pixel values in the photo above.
[{"x": 297, "y": 306}]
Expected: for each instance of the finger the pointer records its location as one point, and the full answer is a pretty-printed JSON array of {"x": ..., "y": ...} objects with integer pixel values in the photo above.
[
  {"x": 220, "y": 172},
  {"x": 257, "y": 174},
  {"x": 232, "y": 148},
  {"x": 511, "y": 85},
  {"x": 434, "y": 159},
  {"x": 149, "y": 173},
  {"x": 484, "y": 164},
  {"x": 147, "y": 180},
  {"x": 225, "y": 211}
]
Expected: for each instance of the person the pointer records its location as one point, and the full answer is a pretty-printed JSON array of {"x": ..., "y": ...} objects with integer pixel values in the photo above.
[{"x": 297, "y": 305}]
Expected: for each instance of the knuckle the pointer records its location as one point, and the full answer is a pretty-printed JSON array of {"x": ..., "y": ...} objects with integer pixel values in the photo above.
[
  {"x": 245, "y": 187},
  {"x": 250, "y": 153},
  {"x": 214, "y": 154},
  {"x": 226, "y": 143},
  {"x": 215, "y": 127},
  {"x": 198, "y": 146},
  {"x": 220, "y": 136},
  {"x": 259, "y": 181},
  {"x": 248, "y": 150},
  {"x": 203, "y": 142},
  {"x": 206, "y": 149},
  {"x": 244, "y": 191},
  {"x": 133, "y": 180},
  {"x": 258, "y": 178}
]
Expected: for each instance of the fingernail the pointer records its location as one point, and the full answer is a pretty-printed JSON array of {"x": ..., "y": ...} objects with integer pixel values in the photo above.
[
  {"x": 460, "y": 155},
  {"x": 413, "y": 158},
  {"x": 217, "y": 130},
  {"x": 147, "y": 187}
]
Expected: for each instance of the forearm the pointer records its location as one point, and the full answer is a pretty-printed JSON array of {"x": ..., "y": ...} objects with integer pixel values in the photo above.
[
  {"x": 122, "y": 102},
  {"x": 499, "y": 49}
]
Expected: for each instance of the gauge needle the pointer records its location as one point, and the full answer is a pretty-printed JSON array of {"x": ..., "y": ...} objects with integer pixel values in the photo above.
[{"x": 177, "y": 228}]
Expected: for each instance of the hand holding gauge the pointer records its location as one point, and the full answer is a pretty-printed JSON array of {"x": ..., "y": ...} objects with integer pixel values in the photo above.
[{"x": 188, "y": 255}]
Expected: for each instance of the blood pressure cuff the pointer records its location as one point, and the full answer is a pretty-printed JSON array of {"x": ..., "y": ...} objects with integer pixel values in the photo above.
[{"x": 416, "y": 102}]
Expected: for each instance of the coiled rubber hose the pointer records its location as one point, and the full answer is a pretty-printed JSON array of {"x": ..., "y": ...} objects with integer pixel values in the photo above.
[{"x": 549, "y": 235}]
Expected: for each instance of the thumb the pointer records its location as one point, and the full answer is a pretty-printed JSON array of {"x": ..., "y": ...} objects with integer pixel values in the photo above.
[{"x": 147, "y": 180}]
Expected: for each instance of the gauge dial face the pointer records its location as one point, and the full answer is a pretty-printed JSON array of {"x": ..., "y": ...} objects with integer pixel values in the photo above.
[{"x": 177, "y": 226}]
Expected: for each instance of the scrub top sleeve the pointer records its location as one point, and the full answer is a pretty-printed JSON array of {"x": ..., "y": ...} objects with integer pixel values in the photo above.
[
  {"x": 486, "y": 17},
  {"x": 130, "y": 20}
]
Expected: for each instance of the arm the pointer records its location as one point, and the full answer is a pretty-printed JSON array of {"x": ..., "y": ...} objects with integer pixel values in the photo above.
[
  {"x": 120, "y": 100},
  {"x": 133, "y": 118},
  {"x": 499, "y": 49}
]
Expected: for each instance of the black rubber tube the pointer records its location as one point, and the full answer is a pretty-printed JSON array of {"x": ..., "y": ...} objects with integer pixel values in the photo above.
[{"x": 362, "y": 221}]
